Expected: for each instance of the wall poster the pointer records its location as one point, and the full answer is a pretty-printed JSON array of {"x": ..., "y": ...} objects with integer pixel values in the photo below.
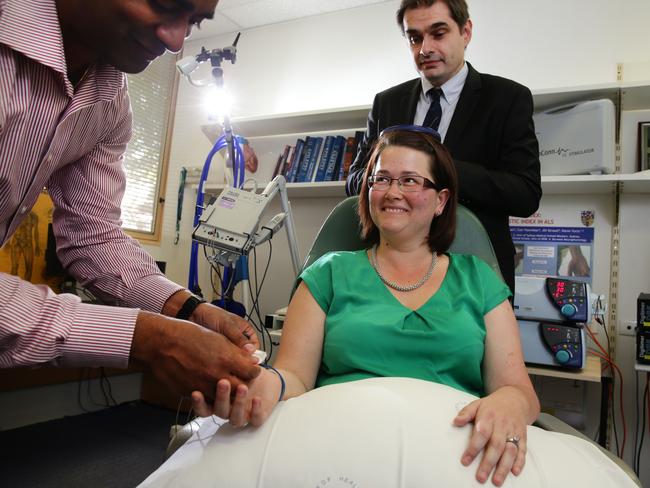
[
  {"x": 554, "y": 245},
  {"x": 25, "y": 253}
]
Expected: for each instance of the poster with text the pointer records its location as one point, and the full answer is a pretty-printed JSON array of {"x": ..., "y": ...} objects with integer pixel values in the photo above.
[{"x": 547, "y": 245}]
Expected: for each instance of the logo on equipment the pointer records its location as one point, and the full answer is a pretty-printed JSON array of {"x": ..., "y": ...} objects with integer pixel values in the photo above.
[{"x": 337, "y": 482}]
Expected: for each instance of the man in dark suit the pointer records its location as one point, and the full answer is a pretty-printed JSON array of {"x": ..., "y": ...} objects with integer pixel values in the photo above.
[{"x": 485, "y": 121}]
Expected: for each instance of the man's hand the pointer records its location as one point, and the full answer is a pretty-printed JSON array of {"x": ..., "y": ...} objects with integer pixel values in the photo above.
[
  {"x": 239, "y": 331},
  {"x": 188, "y": 357}
]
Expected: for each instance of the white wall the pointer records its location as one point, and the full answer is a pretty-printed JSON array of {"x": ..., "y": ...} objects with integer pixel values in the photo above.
[{"x": 343, "y": 58}]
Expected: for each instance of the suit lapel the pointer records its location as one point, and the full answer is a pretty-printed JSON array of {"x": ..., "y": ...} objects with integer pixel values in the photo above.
[
  {"x": 409, "y": 99},
  {"x": 469, "y": 97}
]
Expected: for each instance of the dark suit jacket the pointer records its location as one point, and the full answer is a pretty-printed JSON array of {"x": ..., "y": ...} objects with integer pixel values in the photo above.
[{"x": 492, "y": 140}]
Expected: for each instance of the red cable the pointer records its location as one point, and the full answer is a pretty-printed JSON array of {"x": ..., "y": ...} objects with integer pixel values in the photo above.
[
  {"x": 622, "y": 409},
  {"x": 593, "y": 338}
]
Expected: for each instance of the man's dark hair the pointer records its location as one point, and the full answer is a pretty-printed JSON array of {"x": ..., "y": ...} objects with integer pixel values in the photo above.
[{"x": 458, "y": 9}]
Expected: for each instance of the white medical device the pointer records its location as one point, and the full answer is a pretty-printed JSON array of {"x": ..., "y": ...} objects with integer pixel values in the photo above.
[
  {"x": 552, "y": 299},
  {"x": 577, "y": 139},
  {"x": 232, "y": 223},
  {"x": 551, "y": 313}
]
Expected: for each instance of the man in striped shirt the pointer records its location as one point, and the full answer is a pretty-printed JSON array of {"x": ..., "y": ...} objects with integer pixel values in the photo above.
[{"x": 65, "y": 120}]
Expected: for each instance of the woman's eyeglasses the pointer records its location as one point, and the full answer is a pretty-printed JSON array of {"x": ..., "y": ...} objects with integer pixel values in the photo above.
[{"x": 406, "y": 183}]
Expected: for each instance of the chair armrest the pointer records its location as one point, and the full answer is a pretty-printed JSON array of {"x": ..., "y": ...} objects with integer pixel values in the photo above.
[{"x": 553, "y": 424}]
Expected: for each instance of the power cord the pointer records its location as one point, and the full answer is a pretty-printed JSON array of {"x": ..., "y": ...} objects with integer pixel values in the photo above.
[{"x": 603, "y": 354}]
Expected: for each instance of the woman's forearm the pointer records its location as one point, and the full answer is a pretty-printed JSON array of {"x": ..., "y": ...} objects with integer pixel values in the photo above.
[
  {"x": 527, "y": 398},
  {"x": 293, "y": 385}
]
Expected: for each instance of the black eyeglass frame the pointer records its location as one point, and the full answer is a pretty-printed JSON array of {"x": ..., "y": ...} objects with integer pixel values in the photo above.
[{"x": 426, "y": 183}]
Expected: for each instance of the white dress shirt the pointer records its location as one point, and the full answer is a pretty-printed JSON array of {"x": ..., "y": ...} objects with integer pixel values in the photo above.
[
  {"x": 450, "y": 94},
  {"x": 70, "y": 139}
]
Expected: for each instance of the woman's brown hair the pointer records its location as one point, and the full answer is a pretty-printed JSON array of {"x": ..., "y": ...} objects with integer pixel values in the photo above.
[{"x": 441, "y": 164}]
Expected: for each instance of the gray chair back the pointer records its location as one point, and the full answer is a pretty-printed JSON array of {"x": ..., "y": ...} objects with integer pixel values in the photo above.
[{"x": 340, "y": 232}]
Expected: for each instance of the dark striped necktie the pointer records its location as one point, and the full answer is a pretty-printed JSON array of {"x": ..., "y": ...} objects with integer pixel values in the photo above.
[{"x": 434, "y": 114}]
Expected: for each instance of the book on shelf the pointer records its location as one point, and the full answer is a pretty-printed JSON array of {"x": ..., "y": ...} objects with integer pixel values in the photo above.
[
  {"x": 282, "y": 161},
  {"x": 324, "y": 158},
  {"x": 286, "y": 164},
  {"x": 331, "y": 173},
  {"x": 349, "y": 153},
  {"x": 295, "y": 161},
  {"x": 644, "y": 146},
  {"x": 306, "y": 170},
  {"x": 313, "y": 163},
  {"x": 315, "y": 158}
]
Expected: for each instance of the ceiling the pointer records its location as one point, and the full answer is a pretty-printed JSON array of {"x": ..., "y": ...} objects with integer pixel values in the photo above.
[{"x": 237, "y": 15}]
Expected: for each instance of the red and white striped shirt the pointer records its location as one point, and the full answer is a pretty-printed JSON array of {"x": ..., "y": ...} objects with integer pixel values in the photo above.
[{"x": 70, "y": 139}]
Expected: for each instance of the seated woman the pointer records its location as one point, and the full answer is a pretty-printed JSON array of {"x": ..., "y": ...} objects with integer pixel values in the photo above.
[{"x": 405, "y": 307}]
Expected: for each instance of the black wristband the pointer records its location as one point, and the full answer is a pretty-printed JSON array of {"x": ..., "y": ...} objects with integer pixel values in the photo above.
[{"x": 189, "y": 306}]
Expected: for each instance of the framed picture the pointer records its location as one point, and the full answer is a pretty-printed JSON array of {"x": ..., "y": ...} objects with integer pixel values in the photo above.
[{"x": 644, "y": 146}]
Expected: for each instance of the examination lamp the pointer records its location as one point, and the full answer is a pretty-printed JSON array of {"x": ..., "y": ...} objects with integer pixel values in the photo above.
[
  {"x": 189, "y": 64},
  {"x": 231, "y": 226}
]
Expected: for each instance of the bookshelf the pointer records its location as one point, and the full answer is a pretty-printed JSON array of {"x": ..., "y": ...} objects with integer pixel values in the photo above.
[
  {"x": 320, "y": 189},
  {"x": 269, "y": 133}
]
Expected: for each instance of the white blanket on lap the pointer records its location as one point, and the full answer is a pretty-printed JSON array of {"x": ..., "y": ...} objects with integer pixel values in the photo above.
[{"x": 381, "y": 432}]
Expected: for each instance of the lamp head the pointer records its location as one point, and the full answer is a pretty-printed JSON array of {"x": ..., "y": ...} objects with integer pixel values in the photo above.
[{"x": 187, "y": 65}]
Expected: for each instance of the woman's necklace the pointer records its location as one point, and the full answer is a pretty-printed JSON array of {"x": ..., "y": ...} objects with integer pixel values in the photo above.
[{"x": 392, "y": 284}]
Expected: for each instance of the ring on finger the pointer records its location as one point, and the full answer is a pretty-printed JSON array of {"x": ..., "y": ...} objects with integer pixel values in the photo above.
[{"x": 514, "y": 439}]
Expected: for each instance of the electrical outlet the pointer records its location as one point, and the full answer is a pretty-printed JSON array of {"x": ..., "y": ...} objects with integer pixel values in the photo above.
[
  {"x": 598, "y": 305},
  {"x": 627, "y": 327}
]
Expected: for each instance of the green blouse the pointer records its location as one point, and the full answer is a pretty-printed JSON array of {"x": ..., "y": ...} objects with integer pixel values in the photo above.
[{"x": 369, "y": 333}]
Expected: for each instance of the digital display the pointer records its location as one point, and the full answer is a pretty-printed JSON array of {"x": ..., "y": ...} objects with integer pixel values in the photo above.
[{"x": 557, "y": 288}]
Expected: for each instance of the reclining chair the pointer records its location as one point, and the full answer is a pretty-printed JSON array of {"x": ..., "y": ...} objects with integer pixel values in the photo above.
[{"x": 340, "y": 232}]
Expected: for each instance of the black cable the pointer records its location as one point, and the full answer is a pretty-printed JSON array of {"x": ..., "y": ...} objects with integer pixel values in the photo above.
[
  {"x": 88, "y": 389},
  {"x": 644, "y": 401},
  {"x": 109, "y": 387},
  {"x": 102, "y": 386},
  {"x": 635, "y": 461},
  {"x": 79, "y": 387},
  {"x": 214, "y": 268},
  {"x": 604, "y": 407},
  {"x": 602, "y": 429},
  {"x": 256, "y": 304},
  {"x": 258, "y": 290},
  {"x": 255, "y": 296},
  {"x": 255, "y": 301},
  {"x": 596, "y": 436}
]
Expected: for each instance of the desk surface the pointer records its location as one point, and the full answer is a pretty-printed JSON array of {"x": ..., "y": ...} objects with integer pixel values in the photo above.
[{"x": 591, "y": 372}]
